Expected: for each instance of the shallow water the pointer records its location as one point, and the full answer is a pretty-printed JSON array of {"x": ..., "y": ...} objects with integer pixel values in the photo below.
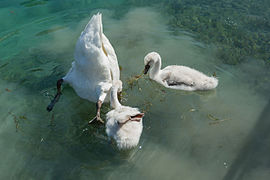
[{"x": 220, "y": 134}]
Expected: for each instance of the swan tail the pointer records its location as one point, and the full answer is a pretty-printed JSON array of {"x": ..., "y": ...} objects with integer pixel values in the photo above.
[
  {"x": 90, "y": 40},
  {"x": 92, "y": 33},
  {"x": 94, "y": 25},
  {"x": 210, "y": 83},
  {"x": 100, "y": 26}
]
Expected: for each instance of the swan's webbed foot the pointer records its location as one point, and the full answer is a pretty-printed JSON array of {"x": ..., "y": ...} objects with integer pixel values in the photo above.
[
  {"x": 96, "y": 119},
  {"x": 57, "y": 96},
  {"x": 55, "y": 100}
]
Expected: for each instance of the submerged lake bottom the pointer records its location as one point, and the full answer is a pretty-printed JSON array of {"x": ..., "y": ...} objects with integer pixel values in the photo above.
[{"x": 217, "y": 134}]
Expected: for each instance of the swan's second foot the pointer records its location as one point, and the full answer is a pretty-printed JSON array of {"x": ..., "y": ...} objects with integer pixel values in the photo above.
[
  {"x": 96, "y": 119},
  {"x": 55, "y": 100},
  {"x": 57, "y": 96}
]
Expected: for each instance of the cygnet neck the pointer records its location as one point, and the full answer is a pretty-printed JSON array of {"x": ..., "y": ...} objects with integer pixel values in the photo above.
[
  {"x": 114, "y": 99},
  {"x": 154, "y": 70}
]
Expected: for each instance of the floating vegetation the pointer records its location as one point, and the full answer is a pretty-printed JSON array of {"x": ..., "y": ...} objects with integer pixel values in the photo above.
[
  {"x": 50, "y": 30},
  {"x": 237, "y": 34},
  {"x": 120, "y": 68},
  {"x": 215, "y": 119},
  {"x": 146, "y": 106},
  {"x": 31, "y": 3},
  {"x": 217, "y": 122},
  {"x": 8, "y": 90},
  {"x": 17, "y": 120},
  {"x": 22, "y": 117},
  {"x": 212, "y": 117},
  {"x": 133, "y": 81}
]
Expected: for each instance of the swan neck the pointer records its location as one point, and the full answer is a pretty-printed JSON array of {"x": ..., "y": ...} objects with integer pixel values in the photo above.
[
  {"x": 114, "y": 99},
  {"x": 154, "y": 71}
]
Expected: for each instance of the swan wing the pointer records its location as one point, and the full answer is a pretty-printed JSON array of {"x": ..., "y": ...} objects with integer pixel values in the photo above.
[
  {"x": 186, "y": 78},
  {"x": 177, "y": 76},
  {"x": 109, "y": 51}
]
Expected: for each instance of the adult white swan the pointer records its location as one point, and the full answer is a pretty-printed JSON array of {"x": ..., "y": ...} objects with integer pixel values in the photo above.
[
  {"x": 124, "y": 124},
  {"x": 177, "y": 77},
  {"x": 94, "y": 68}
]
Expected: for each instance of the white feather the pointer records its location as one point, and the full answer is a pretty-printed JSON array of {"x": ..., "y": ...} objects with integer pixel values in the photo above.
[
  {"x": 95, "y": 65},
  {"x": 127, "y": 135},
  {"x": 178, "y": 77}
]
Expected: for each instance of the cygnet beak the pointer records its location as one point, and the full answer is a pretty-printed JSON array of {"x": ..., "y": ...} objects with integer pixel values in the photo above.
[
  {"x": 140, "y": 115},
  {"x": 137, "y": 117},
  {"x": 146, "y": 68}
]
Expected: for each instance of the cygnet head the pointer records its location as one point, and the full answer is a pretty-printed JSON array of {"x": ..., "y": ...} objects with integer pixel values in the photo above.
[
  {"x": 125, "y": 115},
  {"x": 150, "y": 60},
  {"x": 124, "y": 124}
]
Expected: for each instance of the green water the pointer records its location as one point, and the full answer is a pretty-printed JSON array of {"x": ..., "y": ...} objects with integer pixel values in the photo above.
[{"x": 220, "y": 134}]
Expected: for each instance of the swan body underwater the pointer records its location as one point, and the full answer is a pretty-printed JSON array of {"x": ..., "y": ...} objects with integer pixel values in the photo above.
[
  {"x": 124, "y": 124},
  {"x": 94, "y": 69},
  {"x": 177, "y": 77}
]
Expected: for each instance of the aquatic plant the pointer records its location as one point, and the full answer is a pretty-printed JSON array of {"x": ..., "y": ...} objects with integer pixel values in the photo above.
[
  {"x": 133, "y": 81},
  {"x": 239, "y": 29}
]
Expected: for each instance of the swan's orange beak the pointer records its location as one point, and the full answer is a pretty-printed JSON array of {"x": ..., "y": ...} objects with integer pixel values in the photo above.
[{"x": 146, "y": 68}]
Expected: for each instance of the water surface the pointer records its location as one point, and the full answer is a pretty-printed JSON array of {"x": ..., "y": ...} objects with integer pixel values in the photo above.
[{"x": 220, "y": 134}]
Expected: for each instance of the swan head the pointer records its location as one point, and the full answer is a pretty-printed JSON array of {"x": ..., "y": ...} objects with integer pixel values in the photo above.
[
  {"x": 124, "y": 125},
  {"x": 149, "y": 60}
]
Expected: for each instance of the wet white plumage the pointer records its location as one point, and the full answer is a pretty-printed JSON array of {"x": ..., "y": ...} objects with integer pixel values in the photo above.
[
  {"x": 95, "y": 64},
  {"x": 124, "y": 124},
  {"x": 178, "y": 77}
]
